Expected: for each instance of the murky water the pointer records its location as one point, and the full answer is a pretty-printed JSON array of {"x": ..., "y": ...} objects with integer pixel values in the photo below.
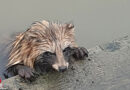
[{"x": 96, "y": 21}]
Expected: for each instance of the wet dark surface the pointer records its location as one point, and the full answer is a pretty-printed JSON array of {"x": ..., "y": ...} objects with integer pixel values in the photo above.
[{"x": 3, "y": 57}]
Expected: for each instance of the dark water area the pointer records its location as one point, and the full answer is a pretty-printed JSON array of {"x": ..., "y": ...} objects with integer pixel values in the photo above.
[
  {"x": 96, "y": 21},
  {"x": 4, "y": 53},
  {"x": 3, "y": 60}
]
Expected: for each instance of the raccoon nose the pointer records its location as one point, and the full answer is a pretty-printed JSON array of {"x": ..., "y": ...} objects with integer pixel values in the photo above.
[{"x": 62, "y": 68}]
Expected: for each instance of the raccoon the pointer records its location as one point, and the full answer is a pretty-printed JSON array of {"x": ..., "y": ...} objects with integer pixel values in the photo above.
[{"x": 44, "y": 46}]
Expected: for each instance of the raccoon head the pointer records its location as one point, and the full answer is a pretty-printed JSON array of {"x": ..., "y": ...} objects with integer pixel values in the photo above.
[
  {"x": 49, "y": 41},
  {"x": 58, "y": 43}
]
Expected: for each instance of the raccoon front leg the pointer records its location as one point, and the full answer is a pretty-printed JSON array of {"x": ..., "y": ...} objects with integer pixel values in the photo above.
[
  {"x": 25, "y": 72},
  {"x": 80, "y": 53}
]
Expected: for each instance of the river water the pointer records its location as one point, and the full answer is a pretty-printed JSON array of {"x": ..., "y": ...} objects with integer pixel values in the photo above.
[{"x": 96, "y": 21}]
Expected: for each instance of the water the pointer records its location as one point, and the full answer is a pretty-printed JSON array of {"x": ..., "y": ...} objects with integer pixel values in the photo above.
[{"x": 96, "y": 21}]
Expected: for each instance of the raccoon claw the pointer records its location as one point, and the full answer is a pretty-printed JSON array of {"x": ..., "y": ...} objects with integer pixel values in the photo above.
[
  {"x": 27, "y": 74},
  {"x": 80, "y": 53}
]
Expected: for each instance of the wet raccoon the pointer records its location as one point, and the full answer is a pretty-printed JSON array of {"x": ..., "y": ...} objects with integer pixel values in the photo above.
[{"x": 43, "y": 46}]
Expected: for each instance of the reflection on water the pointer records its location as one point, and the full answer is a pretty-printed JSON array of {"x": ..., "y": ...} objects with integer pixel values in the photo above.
[{"x": 96, "y": 21}]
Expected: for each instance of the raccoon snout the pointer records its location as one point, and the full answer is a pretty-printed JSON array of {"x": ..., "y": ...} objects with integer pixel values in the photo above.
[{"x": 62, "y": 68}]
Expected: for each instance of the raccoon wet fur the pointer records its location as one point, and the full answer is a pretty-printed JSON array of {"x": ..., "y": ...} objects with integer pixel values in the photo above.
[{"x": 45, "y": 45}]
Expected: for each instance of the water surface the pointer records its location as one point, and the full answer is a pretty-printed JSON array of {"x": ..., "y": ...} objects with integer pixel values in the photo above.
[{"x": 96, "y": 21}]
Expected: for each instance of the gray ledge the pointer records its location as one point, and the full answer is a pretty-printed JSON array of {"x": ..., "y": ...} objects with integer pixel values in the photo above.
[{"x": 108, "y": 68}]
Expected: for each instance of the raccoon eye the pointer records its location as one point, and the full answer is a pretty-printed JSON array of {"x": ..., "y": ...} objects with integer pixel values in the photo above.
[
  {"x": 66, "y": 49},
  {"x": 48, "y": 53}
]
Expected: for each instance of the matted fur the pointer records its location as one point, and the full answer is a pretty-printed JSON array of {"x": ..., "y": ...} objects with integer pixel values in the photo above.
[{"x": 41, "y": 37}]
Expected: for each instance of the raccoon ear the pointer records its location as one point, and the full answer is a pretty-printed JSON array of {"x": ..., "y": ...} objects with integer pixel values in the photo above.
[
  {"x": 69, "y": 26},
  {"x": 46, "y": 23}
]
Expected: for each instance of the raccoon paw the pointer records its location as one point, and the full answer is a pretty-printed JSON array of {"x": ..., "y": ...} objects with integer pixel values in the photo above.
[
  {"x": 27, "y": 73},
  {"x": 80, "y": 53}
]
